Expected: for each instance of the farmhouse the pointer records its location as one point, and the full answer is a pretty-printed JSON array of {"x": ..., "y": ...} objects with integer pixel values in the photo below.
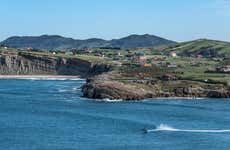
[
  {"x": 223, "y": 68},
  {"x": 140, "y": 58},
  {"x": 172, "y": 66},
  {"x": 173, "y": 54}
]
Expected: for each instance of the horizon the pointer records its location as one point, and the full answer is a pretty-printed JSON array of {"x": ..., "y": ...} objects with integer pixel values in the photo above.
[{"x": 174, "y": 20}]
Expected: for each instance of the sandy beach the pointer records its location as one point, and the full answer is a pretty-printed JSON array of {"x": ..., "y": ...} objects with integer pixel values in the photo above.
[{"x": 37, "y": 76}]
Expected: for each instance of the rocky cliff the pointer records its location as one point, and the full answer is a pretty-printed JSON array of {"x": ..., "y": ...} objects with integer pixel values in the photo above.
[
  {"x": 103, "y": 87},
  {"x": 106, "y": 86},
  {"x": 20, "y": 63}
]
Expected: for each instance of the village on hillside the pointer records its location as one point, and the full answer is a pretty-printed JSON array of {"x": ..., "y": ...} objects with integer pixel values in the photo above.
[{"x": 194, "y": 67}]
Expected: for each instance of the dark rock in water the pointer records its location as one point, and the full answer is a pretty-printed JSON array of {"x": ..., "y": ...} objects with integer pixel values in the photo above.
[{"x": 219, "y": 94}]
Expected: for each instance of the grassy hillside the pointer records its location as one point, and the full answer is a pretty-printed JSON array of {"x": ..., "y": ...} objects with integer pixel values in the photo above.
[
  {"x": 204, "y": 47},
  {"x": 89, "y": 58}
]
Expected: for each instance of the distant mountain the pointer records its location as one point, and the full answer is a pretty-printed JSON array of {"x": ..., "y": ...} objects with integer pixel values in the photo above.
[
  {"x": 138, "y": 41},
  {"x": 206, "y": 48},
  {"x": 55, "y": 42}
]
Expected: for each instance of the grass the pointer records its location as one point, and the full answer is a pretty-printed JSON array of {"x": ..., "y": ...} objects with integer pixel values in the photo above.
[
  {"x": 198, "y": 72},
  {"x": 191, "y": 69},
  {"x": 209, "y": 48},
  {"x": 90, "y": 58}
]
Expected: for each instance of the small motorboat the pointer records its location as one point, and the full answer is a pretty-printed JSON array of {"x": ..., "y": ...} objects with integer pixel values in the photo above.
[{"x": 146, "y": 130}]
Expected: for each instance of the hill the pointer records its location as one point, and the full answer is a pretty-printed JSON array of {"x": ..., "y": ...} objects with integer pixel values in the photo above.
[
  {"x": 55, "y": 42},
  {"x": 206, "y": 48},
  {"x": 139, "y": 41}
]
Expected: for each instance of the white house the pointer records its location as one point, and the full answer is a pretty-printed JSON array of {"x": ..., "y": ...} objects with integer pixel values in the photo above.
[{"x": 173, "y": 54}]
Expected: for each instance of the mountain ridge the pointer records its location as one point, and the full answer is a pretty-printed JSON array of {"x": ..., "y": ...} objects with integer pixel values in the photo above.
[{"x": 57, "y": 42}]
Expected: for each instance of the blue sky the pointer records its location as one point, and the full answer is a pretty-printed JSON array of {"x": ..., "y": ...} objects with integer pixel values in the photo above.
[{"x": 178, "y": 20}]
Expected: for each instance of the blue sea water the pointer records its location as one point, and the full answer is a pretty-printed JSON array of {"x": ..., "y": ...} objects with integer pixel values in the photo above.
[{"x": 52, "y": 115}]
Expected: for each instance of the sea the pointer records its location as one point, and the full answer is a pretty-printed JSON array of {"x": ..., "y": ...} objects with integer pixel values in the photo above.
[{"x": 51, "y": 114}]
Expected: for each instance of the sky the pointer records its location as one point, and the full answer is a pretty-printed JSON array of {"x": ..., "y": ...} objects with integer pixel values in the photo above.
[{"x": 178, "y": 20}]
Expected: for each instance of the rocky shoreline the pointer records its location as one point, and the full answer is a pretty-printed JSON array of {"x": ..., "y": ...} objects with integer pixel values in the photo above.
[
  {"x": 104, "y": 81},
  {"x": 105, "y": 87}
]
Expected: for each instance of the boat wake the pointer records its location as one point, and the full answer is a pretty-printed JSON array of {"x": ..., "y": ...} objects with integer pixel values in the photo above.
[{"x": 167, "y": 128}]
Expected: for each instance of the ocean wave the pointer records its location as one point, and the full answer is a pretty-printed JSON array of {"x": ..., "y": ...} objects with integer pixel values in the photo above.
[
  {"x": 109, "y": 100},
  {"x": 178, "y": 98},
  {"x": 164, "y": 127},
  {"x": 61, "y": 90}
]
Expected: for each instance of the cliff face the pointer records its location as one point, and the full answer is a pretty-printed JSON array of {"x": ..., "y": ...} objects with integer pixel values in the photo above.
[
  {"x": 105, "y": 87},
  {"x": 30, "y": 64},
  {"x": 102, "y": 87}
]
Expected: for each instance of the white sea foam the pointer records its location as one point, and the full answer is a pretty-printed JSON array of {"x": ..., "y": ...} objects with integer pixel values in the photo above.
[
  {"x": 164, "y": 127},
  {"x": 62, "y": 90},
  {"x": 179, "y": 98},
  {"x": 110, "y": 100},
  {"x": 76, "y": 89},
  {"x": 68, "y": 89}
]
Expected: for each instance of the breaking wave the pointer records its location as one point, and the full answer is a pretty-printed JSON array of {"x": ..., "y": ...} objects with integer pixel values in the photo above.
[
  {"x": 164, "y": 127},
  {"x": 110, "y": 100},
  {"x": 69, "y": 89}
]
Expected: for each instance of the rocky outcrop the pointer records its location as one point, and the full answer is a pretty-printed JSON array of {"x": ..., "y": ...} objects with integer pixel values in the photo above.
[
  {"x": 219, "y": 93},
  {"x": 12, "y": 63},
  {"x": 105, "y": 87},
  {"x": 101, "y": 87}
]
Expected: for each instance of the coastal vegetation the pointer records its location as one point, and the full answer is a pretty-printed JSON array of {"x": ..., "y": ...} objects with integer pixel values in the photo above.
[{"x": 198, "y": 68}]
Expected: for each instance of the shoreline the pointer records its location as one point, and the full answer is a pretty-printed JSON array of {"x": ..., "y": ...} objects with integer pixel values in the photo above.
[
  {"x": 106, "y": 86},
  {"x": 38, "y": 77},
  {"x": 160, "y": 99}
]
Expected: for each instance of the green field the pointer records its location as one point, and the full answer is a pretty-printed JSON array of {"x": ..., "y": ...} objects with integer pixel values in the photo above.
[{"x": 207, "y": 48}]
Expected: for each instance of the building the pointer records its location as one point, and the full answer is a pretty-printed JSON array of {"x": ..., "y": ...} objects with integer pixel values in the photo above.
[
  {"x": 140, "y": 58},
  {"x": 172, "y": 66},
  {"x": 147, "y": 65},
  {"x": 53, "y": 52},
  {"x": 69, "y": 53},
  {"x": 225, "y": 69},
  {"x": 199, "y": 56},
  {"x": 169, "y": 77},
  {"x": 29, "y": 49},
  {"x": 173, "y": 54},
  {"x": 61, "y": 51},
  {"x": 88, "y": 50}
]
